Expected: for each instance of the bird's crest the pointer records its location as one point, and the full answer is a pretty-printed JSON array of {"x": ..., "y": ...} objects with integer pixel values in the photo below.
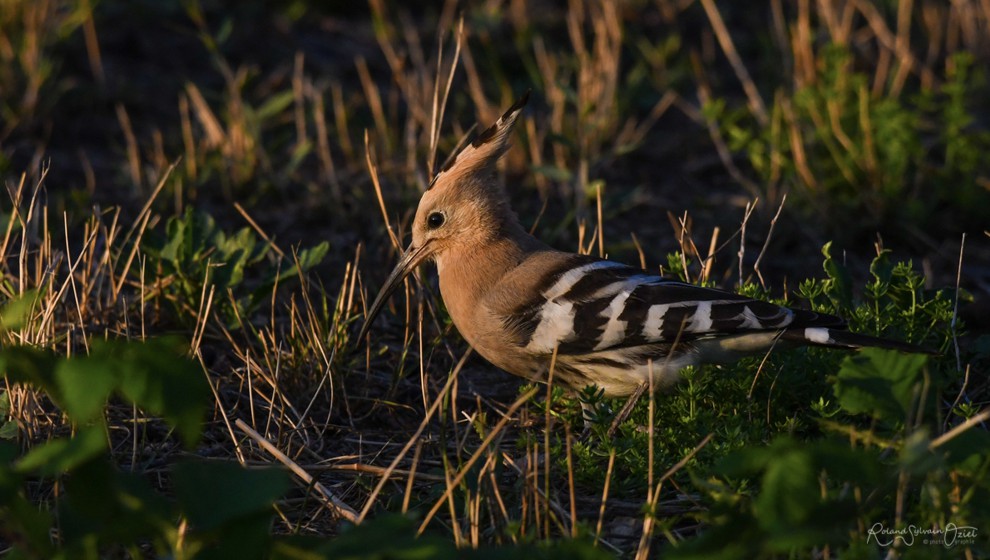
[{"x": 487, "y": 147}]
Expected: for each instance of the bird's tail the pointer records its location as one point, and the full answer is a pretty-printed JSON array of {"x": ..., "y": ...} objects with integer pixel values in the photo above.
[{"x": 839, "y": 338}]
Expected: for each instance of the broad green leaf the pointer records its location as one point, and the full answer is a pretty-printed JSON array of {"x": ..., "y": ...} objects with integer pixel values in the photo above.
[
  {"x": 213, "y": 493},
  {"x": 916, "y": 456},
  {"x": 201, "y": 230},
  {"x": 34, "y": 366},
  {"x": 848, "y": 464},
  {"x": 15, "y": 313},
  {"x": 155, "y": 375},
  {"x": 967, "y": 451},
  {"x": 85, "y": 384},
  {"x": 9, "y": 480},
  {"x": 61, "y": 455},
  {"x": 789, "y": 509},
  {"x": 393, "y": 536},
  {"x": 8, "y": 428},
  {"x": 390, "y": 536},
  {"x": 159, "y": 378},
  {"x": 790, "y": 489},
  {"x": 881, "y": 268},
  {"x": 19, "y": 518},
  {"x": 307, "y": 259},
  {"x": 838, "y": 459},
  {"x": 114, "y": 505},
  {"x": 879, "y": 382}
]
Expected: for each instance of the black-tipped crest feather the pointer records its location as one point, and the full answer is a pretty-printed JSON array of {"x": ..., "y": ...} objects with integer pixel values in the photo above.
[{"x": 495, "y": 131}]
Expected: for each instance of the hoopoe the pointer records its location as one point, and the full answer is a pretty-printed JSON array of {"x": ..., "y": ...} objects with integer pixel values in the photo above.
[{"x": 518, "y": 302}]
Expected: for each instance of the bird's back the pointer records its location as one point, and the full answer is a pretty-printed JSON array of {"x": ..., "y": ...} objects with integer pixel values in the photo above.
[{"x": 613, "y": 324}]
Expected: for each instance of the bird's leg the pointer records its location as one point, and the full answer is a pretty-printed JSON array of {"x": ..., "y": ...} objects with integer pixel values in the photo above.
[
  {"x": 627, "y": 408},
  {"x": 587, "y": 413},
  {"x": 592, "y": 407}
]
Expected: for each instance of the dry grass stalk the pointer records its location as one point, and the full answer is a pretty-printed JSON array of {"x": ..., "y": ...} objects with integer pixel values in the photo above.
[
  {"x": 370, "y": 502},
  {"x": 648, "y": 521},
  {"x": 440, "y": 102},
  {"x": 323, "y": 141},
  {"x": 766, "y": 243},
  {"x": 724, "y": 154},
  {"x": 756, "y": 104},
  {"x": 465, "y": 469},
  {"x": 133, "y": 155},
  {"x": 333, "y": 503}
]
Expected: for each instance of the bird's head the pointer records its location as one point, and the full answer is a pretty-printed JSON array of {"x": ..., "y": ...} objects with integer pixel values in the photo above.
[{"x": 463, "y": 206}]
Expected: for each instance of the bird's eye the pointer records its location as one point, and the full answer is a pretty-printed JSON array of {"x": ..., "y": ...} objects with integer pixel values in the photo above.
[{"x": 435, "y": 220}]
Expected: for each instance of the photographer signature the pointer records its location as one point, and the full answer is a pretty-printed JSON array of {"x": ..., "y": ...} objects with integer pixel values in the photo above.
[{"x": 948, "y": 537}]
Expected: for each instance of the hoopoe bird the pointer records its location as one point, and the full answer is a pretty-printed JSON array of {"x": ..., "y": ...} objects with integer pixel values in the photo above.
[{"x": 522, "y": 305}]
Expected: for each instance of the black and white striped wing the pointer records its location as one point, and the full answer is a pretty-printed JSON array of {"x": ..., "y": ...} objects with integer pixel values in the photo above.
[{"x": 591, "y": 306}]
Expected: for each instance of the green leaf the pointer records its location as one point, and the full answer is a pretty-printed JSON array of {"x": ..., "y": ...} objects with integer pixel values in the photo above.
[
  {"x": 85, "y": 384},
  {"x": 213, "y": 493},
  {"x": 879, "y": 383},
  {"x": 15, "y": 313},
  {"x": 916, "y": 456},
  {"x": 968, "y": 450},
  {"x": 234, "y": 254},
  {"x": 394, "y": 537},
  {"x": 841, "y": 462},
  {"x": 27, "y": 364},
  {"x": 8, "y": 428},
  {"x": 20, "y": 520},
  {"x": 275, "y": 105},
  {"x": 61, "y": 455},
  {"x": 553, "y": 173},
  {"x": 839, "y": 283},
  {"x": 790, "y": 490},
  {"x": 175, "y": 231},
  {"x": 390, "y": 536},
  {"x": 155, "y": 375},
  {"x": 790, "y": 512},
  {"x": 881, "y": 268},
  {"x": 307, "y": 259},
  {"x": 158, "y": 377},
  {"x": 118, "y": 507}
]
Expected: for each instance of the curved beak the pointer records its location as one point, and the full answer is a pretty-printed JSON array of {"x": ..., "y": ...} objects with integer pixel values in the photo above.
[{"x": 407, "y": 263}]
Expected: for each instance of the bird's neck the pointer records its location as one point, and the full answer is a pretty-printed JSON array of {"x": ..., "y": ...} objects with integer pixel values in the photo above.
[{"x": 469, "y": 271}]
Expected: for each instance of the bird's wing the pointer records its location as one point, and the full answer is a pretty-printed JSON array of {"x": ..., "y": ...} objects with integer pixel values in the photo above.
[{"x": 591, "y": 305}]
